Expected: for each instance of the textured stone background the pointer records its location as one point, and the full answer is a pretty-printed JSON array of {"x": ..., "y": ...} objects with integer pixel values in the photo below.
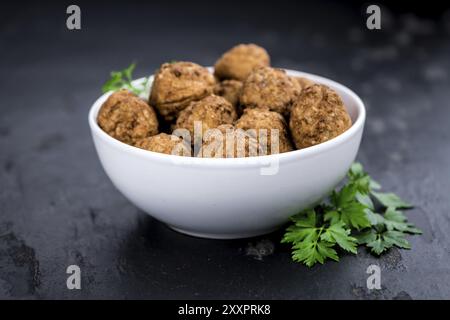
[{"x": 57, "y": 207}]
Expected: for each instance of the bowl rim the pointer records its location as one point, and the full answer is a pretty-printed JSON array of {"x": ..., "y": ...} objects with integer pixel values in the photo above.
[{"x": 256, "y": 161}]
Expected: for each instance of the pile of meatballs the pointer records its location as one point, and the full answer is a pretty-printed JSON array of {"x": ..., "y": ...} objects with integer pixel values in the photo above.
[{"x": 244, "y": 96}]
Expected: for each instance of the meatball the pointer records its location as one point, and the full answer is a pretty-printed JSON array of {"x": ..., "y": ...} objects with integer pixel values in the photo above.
[
  {"x": 270, "y": 88},
  {"x": 238, "y": 62},
  {"x": 258, "y": 119},
  {"x": 319, "y": 115},
  {"x": 165, "y": 143},
  {"x": 226, "y": 141},
  {"x": 211, "y": 111},
  {"x": 303, "y": 82},
  {"x": 230, "y": 90},
  {"x": 127, "y": 118},
  {"x": 177, "y": 84}
]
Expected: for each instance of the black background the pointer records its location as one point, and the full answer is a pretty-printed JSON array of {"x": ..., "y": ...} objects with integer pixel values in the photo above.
[{"x": 57, "y": 207}]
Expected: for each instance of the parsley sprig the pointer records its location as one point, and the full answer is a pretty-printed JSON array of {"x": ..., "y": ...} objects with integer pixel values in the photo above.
[
  {"x": 349, "y": 218},
  {"x": 123, "y": 80}
]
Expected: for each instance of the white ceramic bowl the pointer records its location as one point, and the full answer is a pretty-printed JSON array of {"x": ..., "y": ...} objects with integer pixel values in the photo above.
[{"x": 230, "y": 198}]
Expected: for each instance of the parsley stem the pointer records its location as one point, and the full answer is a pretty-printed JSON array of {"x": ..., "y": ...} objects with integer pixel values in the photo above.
[{"x": 318, "y": 237}]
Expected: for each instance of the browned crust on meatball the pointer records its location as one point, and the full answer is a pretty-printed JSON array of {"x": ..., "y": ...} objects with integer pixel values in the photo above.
[
  {"x": 238, "y": 62},
  {"x": 257, "y": 119},
  {"x": 230, "y": 90},
  {"x": 318, "y": 116},
  {"x": 177, "y": 84},
  {"x": 303, "y": 82},
  {"x": 165, "y": 143},
  {"x": 127, "y": 118},
  {"x": 270, "y": 88},
  {"x": 226, "y": 141},
  {"x": 212, "y": 111}
]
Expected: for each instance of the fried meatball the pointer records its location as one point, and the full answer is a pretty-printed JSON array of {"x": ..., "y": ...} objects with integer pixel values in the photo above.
[
  {"x": 238, "y": 62},
  {"x": 165, "y": 143},
  {"x": 257, "y": 119},
  {"x": 177, "y": 84},
  {"x": 303, "y": 82},
  {"x": 226, "y": 141},
  {"x": 230, "y": 90},
  {"x": 212, "y": 111},
  {"x": 127, "y": 118},
  {"x": 270, "y": 88},
  {"x": 319, "y": 115}
]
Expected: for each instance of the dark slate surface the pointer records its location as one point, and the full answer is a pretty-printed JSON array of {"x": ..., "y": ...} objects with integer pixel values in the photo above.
[{"x": 57, "y": 207}]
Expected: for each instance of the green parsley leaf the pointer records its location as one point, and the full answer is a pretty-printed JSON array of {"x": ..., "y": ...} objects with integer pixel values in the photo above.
[
  {"x": 363, "y": 182},
  {"x": 313, "y": 242},
  {"x": 356, "y": 170},
  {"x": 348, "y": 219},
  {"x": 354, "y": 215},
  {"x": 378, "y": 246},
  {"x": 365, "y": 200},
  {"x": 128, "y": 72},
  {"x": 413, "y": 229},
  {"x": 345, "y": 196},
  {"x": 374, "y": 218},
  {"x": 396, "y": 238},
  {"x": 123, "y": 80},
  {"x": 391, "y": 200},
  {"x": 303, "y": 223},
  {"x": 366, "y": 236},
  {"x": 114, "y": 83},
  {"x": 396, "y": 220},
  {"x": 337, "y": 233},
  {"x": 311, "y": 252},
  {"x": 332, "y": 217},
  {"x": 380, "y": 242},
  {"x": 374, "y": 185},
  {"x": 348, "y": 209}
]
